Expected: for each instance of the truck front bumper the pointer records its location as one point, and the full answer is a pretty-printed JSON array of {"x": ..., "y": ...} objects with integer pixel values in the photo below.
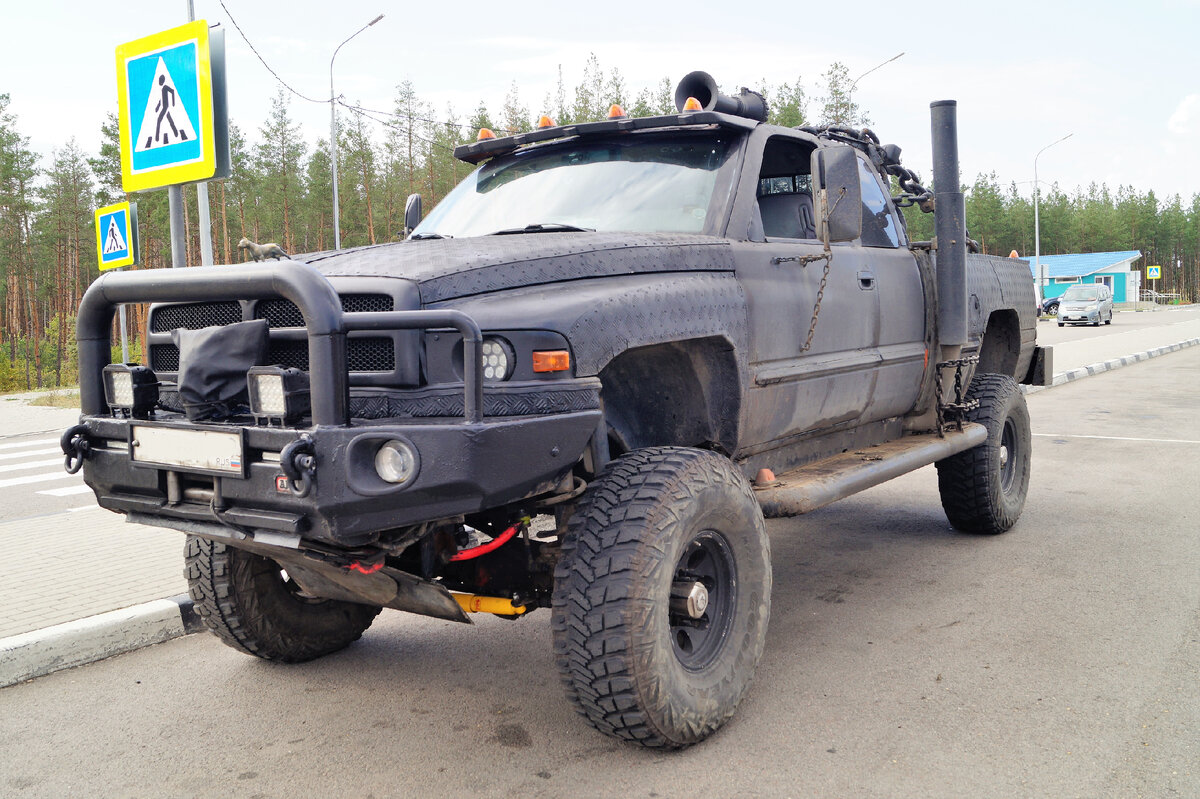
[{"x": 513, "y": 442}]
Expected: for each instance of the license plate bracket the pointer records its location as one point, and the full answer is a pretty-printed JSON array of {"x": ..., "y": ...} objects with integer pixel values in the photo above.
[{"x": 216, "y": 452}]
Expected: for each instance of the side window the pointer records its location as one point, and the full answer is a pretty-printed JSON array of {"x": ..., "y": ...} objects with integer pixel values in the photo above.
[
  {"x": 878, "y": 225},
  {"x": 785, "y": 190}
]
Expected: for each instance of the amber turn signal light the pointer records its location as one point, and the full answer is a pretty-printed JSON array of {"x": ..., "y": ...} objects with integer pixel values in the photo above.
[
  {"x": 616, "y": 112},
  {"x": 692, "y": 104},
  {"x": 551, "y": 361},
  {"x": 545, "y": 122},
  {"x": 485, "y": 133}
]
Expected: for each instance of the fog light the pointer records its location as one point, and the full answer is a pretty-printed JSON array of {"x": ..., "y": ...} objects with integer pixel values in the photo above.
[
  {"x": 397, "y": 462},
  {"x": 278, "y": 394},
  {"x": 498, "y": 359},
  {"x": 130, "y": 388}
]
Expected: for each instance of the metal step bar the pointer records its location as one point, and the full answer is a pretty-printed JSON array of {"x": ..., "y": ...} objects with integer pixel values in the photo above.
[{"x": 818, "y": 484}]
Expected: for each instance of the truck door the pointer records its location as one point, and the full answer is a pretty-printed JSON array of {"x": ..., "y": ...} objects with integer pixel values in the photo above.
[
  {"x": 796, "y": 392},
  {"x": 888, "y": 264}
]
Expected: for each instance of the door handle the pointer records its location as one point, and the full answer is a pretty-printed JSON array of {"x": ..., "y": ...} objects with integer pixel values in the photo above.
[{"x": 866, "y": 281}]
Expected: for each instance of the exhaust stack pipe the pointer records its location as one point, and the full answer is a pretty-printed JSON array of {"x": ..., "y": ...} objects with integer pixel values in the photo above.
[
  {"x": 701, "y": 85},
  {"x": 950, "y": 225}
]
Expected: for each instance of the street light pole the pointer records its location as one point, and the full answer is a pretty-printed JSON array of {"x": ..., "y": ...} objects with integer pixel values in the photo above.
[
  {"x": 1037, "y": 230},
  {"x": 853, "y": 83},
  {"x": 337, "y": 229}
]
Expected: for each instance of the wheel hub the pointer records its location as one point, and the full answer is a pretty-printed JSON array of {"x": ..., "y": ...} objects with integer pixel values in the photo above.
[{"x": 689, "y": 598}]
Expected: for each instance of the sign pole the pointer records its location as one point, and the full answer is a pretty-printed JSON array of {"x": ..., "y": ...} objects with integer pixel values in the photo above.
[
  {"x": 178, "y": 232},
  {"x": 206, "y": 253}
]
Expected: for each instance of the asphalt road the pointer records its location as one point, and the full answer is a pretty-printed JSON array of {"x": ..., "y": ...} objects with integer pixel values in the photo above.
[
  {"x": 32, "y": 479},
  {"x": 1060, "y": 659},
  {"x": 1049, "y": 333}
]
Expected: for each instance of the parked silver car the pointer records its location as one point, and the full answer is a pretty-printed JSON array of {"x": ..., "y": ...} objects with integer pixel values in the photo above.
[{"x": 1086, "y": 303}]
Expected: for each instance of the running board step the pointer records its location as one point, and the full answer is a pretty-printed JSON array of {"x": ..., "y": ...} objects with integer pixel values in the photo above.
[{"x": 818, "y": 484}]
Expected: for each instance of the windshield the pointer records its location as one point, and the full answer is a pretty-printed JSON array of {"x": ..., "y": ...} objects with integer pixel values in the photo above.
[
  {"x": 1082, "y": 293},
  {"x": 637, "y": 183}
]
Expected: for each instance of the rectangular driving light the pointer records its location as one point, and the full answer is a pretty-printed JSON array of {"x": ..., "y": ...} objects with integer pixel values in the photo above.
[
  {"x": 130, "y": 389},
  {"x": 278, "y": 394}
]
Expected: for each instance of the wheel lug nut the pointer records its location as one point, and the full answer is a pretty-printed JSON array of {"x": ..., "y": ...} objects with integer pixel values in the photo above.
[{"x": 689, "y": 598}]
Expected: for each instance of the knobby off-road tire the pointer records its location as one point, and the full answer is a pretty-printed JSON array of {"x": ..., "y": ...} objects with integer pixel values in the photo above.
[
  {"x": 635, "y": 666},
  {"x": 246, "y": 600},
  {"x": 983, "y": 489}
]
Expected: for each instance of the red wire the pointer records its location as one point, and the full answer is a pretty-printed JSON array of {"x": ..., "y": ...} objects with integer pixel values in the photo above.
[{"x": 490, "y": 546}]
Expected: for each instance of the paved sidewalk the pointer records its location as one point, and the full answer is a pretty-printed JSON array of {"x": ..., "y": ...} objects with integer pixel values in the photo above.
[
  {"x": 101, "y": 565},
  {"x": 97, "y": 563}
]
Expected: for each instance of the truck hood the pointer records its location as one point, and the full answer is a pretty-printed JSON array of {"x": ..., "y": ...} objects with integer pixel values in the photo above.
[{"x": 445, "y": 269}]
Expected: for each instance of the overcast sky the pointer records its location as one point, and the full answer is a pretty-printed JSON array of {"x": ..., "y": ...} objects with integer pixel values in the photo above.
[{"x": 1123, "y": 78}]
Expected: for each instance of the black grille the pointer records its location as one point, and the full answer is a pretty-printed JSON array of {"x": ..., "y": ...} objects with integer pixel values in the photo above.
[
  {"x": 370, "y": 355},
  {"x": 284, "y": 313},
  {"x": 164, "y": 357},
  {"x": 362, "y": 354},
  {"x": 194, "y": 316}
]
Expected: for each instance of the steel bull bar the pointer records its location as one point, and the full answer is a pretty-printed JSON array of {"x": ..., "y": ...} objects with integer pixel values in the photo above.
[{"x": 304, "y": 286}]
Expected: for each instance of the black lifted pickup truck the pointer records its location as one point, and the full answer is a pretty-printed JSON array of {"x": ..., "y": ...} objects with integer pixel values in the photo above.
[{"x": 580, "y": 384}]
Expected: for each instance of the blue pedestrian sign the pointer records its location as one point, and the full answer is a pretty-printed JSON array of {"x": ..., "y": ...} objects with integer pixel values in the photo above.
[
  {"x": 1153, "y": 272},
  {"x": 116, "y": 236},
  {"x": 170, "y": 89}
]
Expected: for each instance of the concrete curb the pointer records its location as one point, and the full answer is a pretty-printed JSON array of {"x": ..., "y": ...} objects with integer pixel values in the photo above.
[
  {"x": 1070, "y": 376},
  {"x": 76, "y": 643}
]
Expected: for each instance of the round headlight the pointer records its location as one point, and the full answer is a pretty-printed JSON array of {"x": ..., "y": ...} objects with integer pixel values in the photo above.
[
  {"x": 396, "y": 462},
  {"x": 498, "y": 359}
]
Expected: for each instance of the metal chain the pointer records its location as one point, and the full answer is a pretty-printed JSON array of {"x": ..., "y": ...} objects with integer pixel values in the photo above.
[{"x": 812, "y": 327}]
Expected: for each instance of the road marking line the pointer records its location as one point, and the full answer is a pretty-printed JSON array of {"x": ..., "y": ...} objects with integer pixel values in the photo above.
[
  {"x": 1121, "y": 438},
  {"x": 34, "y": 478},
  {"x": 66, "y": 492},
  {"x": 36, "y": 443},
  {"x": 83, "y": 507},
  {"x": 8, "y": 456},
  {"x": 16, "y": 467}
]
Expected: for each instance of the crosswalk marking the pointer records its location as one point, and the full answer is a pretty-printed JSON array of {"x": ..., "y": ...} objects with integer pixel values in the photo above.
[
  {"x": 36, "y": 443},
  {"x": 66, "y": 492},
  {"x": 8, "y": 456},
  {"x": 34, "y": 478},
  {"x": 16, "y": 467},
  {"x": 83, "y": 507}
]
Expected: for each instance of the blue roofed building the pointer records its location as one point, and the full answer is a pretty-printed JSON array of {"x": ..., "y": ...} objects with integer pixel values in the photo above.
[{"x": 1115, "y": 269}]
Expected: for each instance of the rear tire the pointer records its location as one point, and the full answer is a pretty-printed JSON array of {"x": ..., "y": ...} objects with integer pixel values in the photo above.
[
  {"x": 983, "y": 489},
  {"x": 636, "y": 664},
  {"x": 248, "y": 602}
]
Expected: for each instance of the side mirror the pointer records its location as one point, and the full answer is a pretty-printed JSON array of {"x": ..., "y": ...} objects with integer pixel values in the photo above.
[
  {"x": 412, "y": 213},
  {"x": 837, "y": 194}
]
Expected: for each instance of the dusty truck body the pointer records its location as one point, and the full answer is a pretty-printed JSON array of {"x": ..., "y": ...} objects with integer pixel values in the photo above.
[{"x": 578, "y": 385}]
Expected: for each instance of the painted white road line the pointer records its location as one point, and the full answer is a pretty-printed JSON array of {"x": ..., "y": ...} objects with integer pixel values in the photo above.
[
  {"x": 1121, "y": 438},
  {"x": 66, "y": 492},
  {"x": 16, "y": 467},
  {"x": 83, "y": 507},
  {"x": 8, "y": 456},
  {"x": 34, "y": 478},
  {"x": 35, "y": 443}
]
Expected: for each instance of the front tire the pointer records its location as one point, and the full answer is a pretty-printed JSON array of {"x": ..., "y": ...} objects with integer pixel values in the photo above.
[
  {"x": 662, "y": 597},
  {"x": 250, "y": 604},
  {"x": 983, "y": 489}
]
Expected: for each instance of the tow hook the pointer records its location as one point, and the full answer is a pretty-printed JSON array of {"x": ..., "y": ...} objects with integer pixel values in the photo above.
[
  {"x": 75, "y": 446},
  {"x": 299, "y": 462}
]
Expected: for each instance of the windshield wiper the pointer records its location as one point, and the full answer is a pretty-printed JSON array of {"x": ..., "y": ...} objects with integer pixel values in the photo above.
[
  {"x": 422, "y": 236},
  {"x": 544, "y": 227}
]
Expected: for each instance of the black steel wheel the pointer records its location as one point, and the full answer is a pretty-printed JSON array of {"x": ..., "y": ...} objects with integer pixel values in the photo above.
[
  {"x": 251, "y": 604},
  {"x": 983, "y": 489},
  {"x": 662, "y": 597}
]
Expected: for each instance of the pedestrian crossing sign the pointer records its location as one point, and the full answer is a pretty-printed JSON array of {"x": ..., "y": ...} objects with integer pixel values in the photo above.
[
  {"x": 116, "y": 235},
  {"x": 1153, "y": 272},
  {"x": 170, "y": 93}
]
